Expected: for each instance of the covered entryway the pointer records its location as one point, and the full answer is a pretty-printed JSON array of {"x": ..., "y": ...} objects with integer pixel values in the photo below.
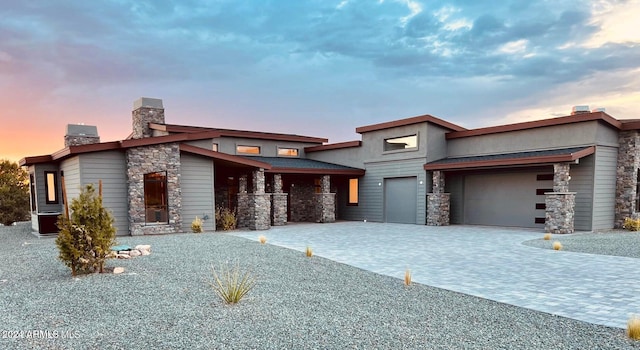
[
  {"x": 506, "y": 199},
  {"x": 400, "y": 200}
]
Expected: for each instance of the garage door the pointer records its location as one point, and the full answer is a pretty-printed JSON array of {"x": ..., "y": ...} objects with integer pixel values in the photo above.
[
  {"x": 511, "y": 199},
  {"x": 400, "y": 200}
]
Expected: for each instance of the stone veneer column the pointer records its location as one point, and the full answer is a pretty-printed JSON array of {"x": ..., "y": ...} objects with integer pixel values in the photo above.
[
  {"x": 258, "y": 204},
  {"x": 627, "y": 176},
  {"x": 325, "y": 206},
  {"x": 243, "y": 213},
  {"x": 438, "y": 202},
  {"x": 150, "y": 159},
  {"x": 560, "y": 204},
  {"x": 278, "y": 202}
]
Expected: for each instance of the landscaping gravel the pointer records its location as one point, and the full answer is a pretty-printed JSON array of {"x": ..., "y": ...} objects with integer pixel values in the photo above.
[
  {"x": 615, "y": 242},
  {"x": 163, "y": 301}
]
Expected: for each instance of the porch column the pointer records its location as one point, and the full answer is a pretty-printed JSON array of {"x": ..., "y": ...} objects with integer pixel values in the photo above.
[
  {"x": 278, "y": 202},
  {"x": 243, "y": 202},
  {"x": 560, "y": 204},
  {"x": 438, "y": 202},
  {"x": 325, "y": 201},
  {"x": 259, "y": 203}
]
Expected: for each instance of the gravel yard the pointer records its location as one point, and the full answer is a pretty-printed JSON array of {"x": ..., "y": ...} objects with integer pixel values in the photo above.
[
  {"x": 164, "y": 301},
  {"x": 615, "y": 242}
]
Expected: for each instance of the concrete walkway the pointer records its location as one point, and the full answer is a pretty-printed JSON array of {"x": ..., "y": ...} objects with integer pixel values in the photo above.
[{"x": 487, "y": 262}]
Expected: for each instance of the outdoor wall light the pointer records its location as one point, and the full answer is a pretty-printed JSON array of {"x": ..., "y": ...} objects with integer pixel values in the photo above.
[
  {"x": 379, "y": 183},
  {"x": 421, "y": 182}
]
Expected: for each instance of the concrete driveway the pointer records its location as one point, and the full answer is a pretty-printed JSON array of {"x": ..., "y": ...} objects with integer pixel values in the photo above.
[{"x": 487, "y": 262}]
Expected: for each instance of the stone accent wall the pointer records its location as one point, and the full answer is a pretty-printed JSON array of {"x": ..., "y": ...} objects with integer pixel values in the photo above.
[
  {"x": 561, "y": 177},
  {"x": 74, "y": 140},
  {"x": 438, "y": 202},
  {"x": 559, "y": 212},
  {"x": 243, "y": 202},
  {"x": 628, "y": 163},
  {"x": 149, "y": 159},
  {"x": 438, "y": 209},
  {"x": 278, "y": 202},
  {"x": 302, "y": 201},
  {"x": 144, "y": 115}
]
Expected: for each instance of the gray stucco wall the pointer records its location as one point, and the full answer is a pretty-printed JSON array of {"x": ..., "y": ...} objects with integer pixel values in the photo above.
[
  {"x": 268, "y": 148},
  {"x": 197, "y": 181}
]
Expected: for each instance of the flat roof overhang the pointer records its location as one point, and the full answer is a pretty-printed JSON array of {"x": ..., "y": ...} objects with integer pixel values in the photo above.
[{"x": 531, "y": 158}]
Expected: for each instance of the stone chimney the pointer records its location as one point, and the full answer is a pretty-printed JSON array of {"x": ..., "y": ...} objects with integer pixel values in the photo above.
[
  {"x": 146, "y": 110},
  {"x": 80, "y": 134}
]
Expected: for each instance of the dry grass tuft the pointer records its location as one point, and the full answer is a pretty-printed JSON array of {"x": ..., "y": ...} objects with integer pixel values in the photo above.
[
  {"x": 633, "y": 328},
  {"x": 547, "y": 236},
  {"x": 557, "y": 245},
  {"x": 262, "y": 239},
  {"x": 407, "y": 277},
  {"x": 309, "y": 252}
]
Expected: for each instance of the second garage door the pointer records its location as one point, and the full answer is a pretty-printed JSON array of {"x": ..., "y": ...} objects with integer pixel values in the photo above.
[
  {"x": 400, "y": 200},
  {"x": 508, "y": 199}
]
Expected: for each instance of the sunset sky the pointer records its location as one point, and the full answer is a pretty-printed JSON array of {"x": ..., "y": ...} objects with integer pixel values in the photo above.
[{"x": 316, "y": 68}]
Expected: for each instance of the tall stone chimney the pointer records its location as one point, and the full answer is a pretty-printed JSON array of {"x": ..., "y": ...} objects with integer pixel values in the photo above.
[
  {"x": 146, "y": 110},
  {"x": 79, "y": 134}
]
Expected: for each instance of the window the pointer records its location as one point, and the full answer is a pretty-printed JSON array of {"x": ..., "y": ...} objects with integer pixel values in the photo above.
[
  {"x": 400, "y": 143},
  {"x": 317, "y": 185},
  {"x": 155, "y": 198},
  {"x": 353, "y": 192},
  {"x": 248, "y": 149},
  {"x": 51, "y": 187},
  {"x": 214, "y": 147},
  {"x": 32, "y": 189},
  {"x": 287, "y": 152}
]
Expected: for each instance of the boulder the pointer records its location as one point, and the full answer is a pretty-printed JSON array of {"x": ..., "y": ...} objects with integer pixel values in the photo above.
[
  {"x": 142, "y": 247},
  {"x": 118, "y": 270},
  {"x": 135, "y": 252}
]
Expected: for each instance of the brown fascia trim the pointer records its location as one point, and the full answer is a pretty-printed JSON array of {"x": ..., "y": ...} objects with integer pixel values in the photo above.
[
  {"x": 350, "y": 172},
  {"x": 579, "y": 118},
  {"x": 223, "y": 156},
  {"x": 26, "y": 161},
  {"x": 237, "y": 133},
  {"x": 94, "y": 147},
  {"x": 339, "y": 145},
  {"x": 409, "y": 121},
  {"x": 513, "y": 161},
  {"x": 633, "y": 124}
]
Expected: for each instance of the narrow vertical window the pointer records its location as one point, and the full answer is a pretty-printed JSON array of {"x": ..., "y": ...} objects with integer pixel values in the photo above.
[
  {"x": 317, "y": 185},
  {"x": 51, "y": 187},
  {"x": 155, "y": 198},
  {"x": 32, "y": 189},
  {"x": 214, "y": 147},
  {"x": 353, "y": 192}
]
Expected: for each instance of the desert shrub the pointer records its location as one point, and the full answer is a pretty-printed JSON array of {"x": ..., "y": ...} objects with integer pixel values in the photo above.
[
  {"x": 14, "y": 193},
  {"x": 225, "y": 219},
  {"x": 85, "y": 239},
  {"x": 308, "y": 252},
  {"x": 557, "y": 245},
  {"x": 547, "y": 236},
  {"x": 407, "y": 277},
  {"x": 231, "y": 284},
  {"x": 262, "y": 239},
  {"x": 631, "y": 224},
  {"x": 196, "y": 225}
]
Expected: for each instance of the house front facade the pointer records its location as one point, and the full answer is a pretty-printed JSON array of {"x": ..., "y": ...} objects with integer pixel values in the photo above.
[{"x": 578, "y": 172}]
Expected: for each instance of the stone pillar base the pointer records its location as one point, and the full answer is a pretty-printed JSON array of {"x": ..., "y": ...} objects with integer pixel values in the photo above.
[
  {"x": 259, "y": 211},
  {"x": 153, "y": 229},
  {"x": 438, "y": 208},
  {"x": 325, "y": 208},
  {"x": 559, "y": 214},
  {"x": 279, "y": 209}
]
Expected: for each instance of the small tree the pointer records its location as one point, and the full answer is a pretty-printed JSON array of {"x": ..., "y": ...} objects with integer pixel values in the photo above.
[
  {"x": 85, "y": 239},
  {"x": 14, "y": 193}
]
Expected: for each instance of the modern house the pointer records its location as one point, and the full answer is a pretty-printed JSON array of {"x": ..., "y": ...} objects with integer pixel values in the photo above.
[{"x": 578, "y": 172}]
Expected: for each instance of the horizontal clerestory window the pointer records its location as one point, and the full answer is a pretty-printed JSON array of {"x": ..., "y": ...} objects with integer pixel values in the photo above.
[
  {"x": 288, "y": 152},
  {"x": 401, "y": 143},
  {"x": 240, "y": 149}
]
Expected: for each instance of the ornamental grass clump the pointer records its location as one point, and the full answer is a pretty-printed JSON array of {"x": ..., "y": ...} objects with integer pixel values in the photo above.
[
  {"x": 308, "y": 252},
  {"x": 633, "y": 328},
  {"x": 631, "y": 224},
  {"x": 262, "y": 239},
  {"x": 226, "y": 219},
  {"x": 196, "y": 225},
  {"x": 557, "y": 245},
  {"x": 407, "y": 277},
  {"x": 231, "y": 284},
  {"x": 547, "y": 236}
]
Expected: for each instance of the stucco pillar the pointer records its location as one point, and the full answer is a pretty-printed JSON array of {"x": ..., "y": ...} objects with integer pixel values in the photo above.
[
  {"x": 278, "y": 202},
  {"x": 325, "y": 201},
  {"x": 560, "y": 204},
  {"x": 438, "y": 202}
]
